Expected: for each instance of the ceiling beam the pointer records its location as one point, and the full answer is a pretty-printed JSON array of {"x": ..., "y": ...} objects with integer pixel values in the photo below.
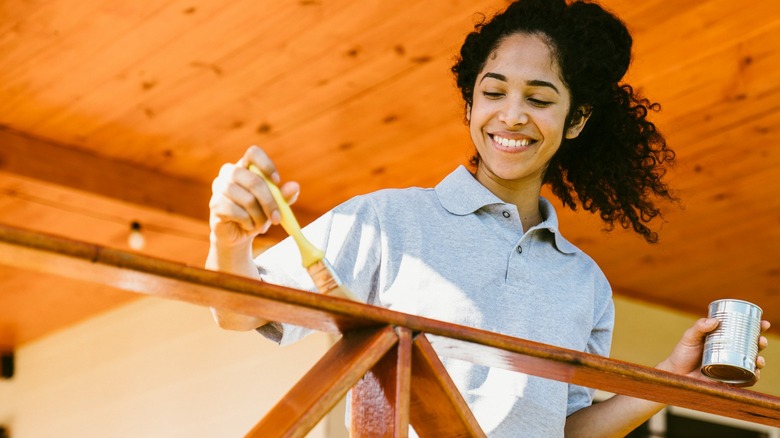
[
  {"x": 31, "y": 157},
  {"x": 48, "y": 162}
]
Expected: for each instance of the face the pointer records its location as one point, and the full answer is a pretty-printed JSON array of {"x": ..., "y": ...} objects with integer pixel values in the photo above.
[{"x": 518, "y": 115}]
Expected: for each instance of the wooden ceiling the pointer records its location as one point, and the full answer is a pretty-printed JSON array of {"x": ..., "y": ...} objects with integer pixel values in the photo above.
[{"x": 114, "y": 111}]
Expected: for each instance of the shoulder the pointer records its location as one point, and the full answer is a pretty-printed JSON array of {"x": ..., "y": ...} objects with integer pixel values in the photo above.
[
  {"x": 408, "y": 194},
  {"x": 588, "y": 265},
  {"x": 388, "y": 202}
]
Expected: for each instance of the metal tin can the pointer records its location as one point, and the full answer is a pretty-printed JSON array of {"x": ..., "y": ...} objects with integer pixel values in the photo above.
[{"x": 730, "y": 350}]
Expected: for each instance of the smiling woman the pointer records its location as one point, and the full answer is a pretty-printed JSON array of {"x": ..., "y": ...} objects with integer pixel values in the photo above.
[
  {"x": 517, "y": 119},
  {"x": 544, "y": 103},
  {"x": 608, "y": 158}
]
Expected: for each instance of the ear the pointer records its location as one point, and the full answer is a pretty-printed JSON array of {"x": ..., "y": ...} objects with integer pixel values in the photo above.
[
  {"x": 578, "y": 120},
  {"x": 468, "y": 113}
]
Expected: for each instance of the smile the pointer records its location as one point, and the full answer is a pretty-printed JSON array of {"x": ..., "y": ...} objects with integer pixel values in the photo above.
[{"x": 511, "y": 143}]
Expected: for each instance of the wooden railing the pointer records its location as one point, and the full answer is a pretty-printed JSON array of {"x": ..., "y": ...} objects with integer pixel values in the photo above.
[{"x": 385, "y": 356}]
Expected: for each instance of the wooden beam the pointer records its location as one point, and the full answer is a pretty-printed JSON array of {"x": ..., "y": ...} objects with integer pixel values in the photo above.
[
  {"x": 165, "y": 279},
  {"x": 37, "y": 252},
  {"x": 437, "y": 407},
  {"x": 380, "y": 401},
  {"x": 58, "y": 164},
  {"x": 88, "y": 174},
  {"x": 325, "y": 384}
]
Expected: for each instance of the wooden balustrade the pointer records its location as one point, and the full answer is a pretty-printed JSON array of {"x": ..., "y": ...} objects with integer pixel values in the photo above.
[{"x": 385, "y": 356}]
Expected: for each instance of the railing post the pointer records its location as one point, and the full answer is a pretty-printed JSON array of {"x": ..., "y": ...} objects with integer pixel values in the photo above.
[
  {"x": 380, "y": 401},
  {"x": 325, "y": 384}
]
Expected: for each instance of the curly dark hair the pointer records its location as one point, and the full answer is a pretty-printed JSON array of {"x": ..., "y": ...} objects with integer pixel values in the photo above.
[{"x": 615, "y": 166}]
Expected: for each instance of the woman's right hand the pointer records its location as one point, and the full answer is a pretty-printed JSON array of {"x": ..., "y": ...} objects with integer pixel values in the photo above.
[{"x": 241, "y": 205}]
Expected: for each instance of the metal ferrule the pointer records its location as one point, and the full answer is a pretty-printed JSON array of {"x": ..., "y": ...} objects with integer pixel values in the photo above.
[{"x": 324, "y": 277}]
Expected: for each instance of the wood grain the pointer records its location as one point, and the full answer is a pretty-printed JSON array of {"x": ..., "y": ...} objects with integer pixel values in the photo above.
[
  {"x": 437, "y": 408},
  {"x": 142, "y": 103},
  {"x": 380, "y": 400}
]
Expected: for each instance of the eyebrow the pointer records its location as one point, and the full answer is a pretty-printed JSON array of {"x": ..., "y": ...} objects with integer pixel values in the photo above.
[{"x": 533, "y": 82}]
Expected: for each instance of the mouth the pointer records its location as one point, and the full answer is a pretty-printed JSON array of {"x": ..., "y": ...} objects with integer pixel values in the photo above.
[{"x": 512, "y": 142}]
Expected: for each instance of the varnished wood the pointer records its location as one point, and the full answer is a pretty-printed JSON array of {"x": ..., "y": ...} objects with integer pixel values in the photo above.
[
  {"x": 141, "y": 274},
  {"x": 147, "y": 275},
  {"x": 325, "y": 384},
  {"x": 380, "y": 401},
  {"x": 111, "y": 109},
  {"x": 437, "y": 408},
  {"x": 33, "y": 158},
  {"x": 614, "y": 376},
  {"x": 403, "y": 383},
  {"x": 142, "y": 103}
]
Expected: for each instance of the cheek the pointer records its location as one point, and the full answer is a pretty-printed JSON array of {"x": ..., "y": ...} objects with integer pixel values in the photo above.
[
  {"x": 476, "y": 134},
  {"x": 478, "y": 116},
  {"x": 474, "y": 121},
  {"x": 553, "y": 126}
]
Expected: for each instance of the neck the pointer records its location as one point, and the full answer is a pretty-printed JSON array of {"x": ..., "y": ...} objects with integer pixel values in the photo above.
[
  {"x": 524, "y": 194},
  {"x": 530, "y": 215}
]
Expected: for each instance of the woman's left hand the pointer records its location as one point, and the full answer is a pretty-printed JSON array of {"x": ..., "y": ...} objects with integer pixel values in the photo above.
[{"x": 687, "y": 354}]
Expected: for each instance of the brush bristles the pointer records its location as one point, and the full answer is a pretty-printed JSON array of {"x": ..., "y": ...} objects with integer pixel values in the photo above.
[
  {"x": 327, "y": 282},
  {"x": 324, "y": 276}
]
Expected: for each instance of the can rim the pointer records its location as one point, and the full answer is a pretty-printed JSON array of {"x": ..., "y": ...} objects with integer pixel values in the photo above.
[
  {"x": 737, "y": 300},
  {"x": 728, "y": 373}
]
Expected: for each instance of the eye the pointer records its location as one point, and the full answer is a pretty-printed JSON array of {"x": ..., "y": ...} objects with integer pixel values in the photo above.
[
  {"x": 492, "y": 94},
  {"x": 539, "y": 102}
]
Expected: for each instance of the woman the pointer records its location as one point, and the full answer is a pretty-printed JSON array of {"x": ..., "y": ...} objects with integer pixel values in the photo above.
[{"x": 544, "y": 106}]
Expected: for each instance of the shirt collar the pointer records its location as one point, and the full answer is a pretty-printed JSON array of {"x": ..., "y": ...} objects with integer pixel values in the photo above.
[
  {"x": 461, "y": 194},
  {"x": 551, "y": 223}
]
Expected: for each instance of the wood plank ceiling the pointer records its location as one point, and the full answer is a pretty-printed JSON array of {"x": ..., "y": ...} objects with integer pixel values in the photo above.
[{"x": 114, "y": 111}]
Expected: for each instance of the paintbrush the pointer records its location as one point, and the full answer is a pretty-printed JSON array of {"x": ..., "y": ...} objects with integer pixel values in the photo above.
[{"x": 320, "y": 271}]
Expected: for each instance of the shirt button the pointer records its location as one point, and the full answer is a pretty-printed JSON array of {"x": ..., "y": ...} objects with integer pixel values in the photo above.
[
  {"x": 506, "y": 214},
  {"x": 519, "y": 249}
]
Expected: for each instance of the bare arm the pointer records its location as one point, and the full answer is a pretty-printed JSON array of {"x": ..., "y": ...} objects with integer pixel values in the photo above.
[
  {"x": 621, "y": 414},
  {"x": 241, "y": 208},
  {"x": 237, "y": 260}
]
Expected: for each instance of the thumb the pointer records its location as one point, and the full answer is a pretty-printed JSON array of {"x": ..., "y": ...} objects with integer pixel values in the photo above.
[
  {"x": 695, "y": 335},
  {"x": 708, "y": 324},
  {"x": 290, "y": 191}
]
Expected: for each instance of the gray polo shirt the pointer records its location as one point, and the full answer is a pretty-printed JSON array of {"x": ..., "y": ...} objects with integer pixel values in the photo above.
[{"x": 458, "y": 253}]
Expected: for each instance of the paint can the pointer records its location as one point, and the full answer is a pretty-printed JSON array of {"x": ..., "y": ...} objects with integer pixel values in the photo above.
[{"x": 730, "y": 350}]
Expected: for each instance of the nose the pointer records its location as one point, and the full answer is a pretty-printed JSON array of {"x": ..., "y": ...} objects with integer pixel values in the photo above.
[{"x": 513, "y": 113}]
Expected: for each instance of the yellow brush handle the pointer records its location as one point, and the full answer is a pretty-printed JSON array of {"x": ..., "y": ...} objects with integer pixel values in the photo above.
[{"x": 309, "y": 253}]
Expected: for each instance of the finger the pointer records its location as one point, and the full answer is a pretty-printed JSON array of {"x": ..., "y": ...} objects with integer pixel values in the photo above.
[
  {"x": 763, "y": 342},
  {"x": 231, "y": 195},
  {"x": 695, "y": 334},
  {"x": 248, "y": 204},
  {"x": 257, "y": 199},
  {"x": 258, "y": 188},
  {"x": 760, "y": 362},
  {"x": 258, "y": 157},
  {"x": 765, "y": 325},
  {"x": 224, "y": 207},
  {"x": 231, "y": 213},
  {"x": 709, "y": 324},
  {"x": 290, "y": 191}
]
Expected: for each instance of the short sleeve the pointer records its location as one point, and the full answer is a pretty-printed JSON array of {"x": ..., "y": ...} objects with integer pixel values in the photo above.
[{"x": 599, "y": 343}]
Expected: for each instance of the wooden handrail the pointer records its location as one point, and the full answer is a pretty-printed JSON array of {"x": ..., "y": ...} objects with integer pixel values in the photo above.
[{"x": 390, "y": 370}]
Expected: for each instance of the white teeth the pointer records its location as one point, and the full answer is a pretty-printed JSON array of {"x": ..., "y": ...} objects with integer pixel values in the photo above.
[{"x": 511, "y": 143}]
